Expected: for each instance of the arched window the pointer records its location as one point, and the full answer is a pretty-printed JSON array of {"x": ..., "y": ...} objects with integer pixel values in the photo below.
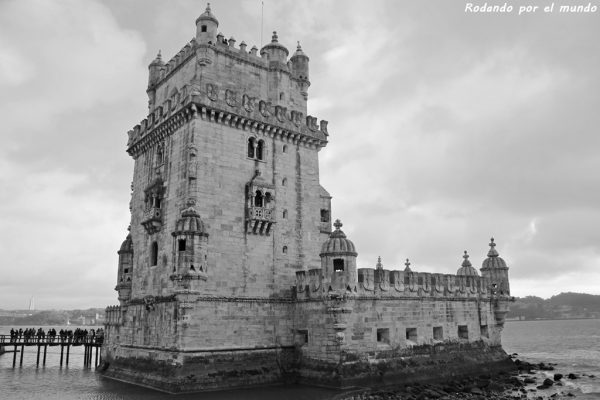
[
  {"x": 284, "y": 250},
  {"x": 251, "y": 147},
  {"x": 281, "y": 96},
  {"x": 260, "y": 150},
  {"x": 285, "y": 213},
  {"x": 258, "y": 199},
  {"x": 284, "y": 149},
  {"x": 284, "y": 182},
  {"x": 268, "y": 198},
  {"x": 154, "y": 254}
]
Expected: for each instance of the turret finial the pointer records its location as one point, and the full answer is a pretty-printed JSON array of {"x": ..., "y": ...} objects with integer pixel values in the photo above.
[
  {"x": 208, "y": 7},
  {"x": 493, "y": 252},
  {"x": 299, "y": 48},
  {"x": 379, "y": 264},
  {"x": 274, "y": 38},
  {"x": 407, "y": 263},
  {"x": 338, "y": 224},
  {"x": 466, "y": 262}
]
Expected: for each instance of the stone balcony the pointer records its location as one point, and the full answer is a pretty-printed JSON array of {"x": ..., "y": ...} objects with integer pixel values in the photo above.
[
  {"x": 259, "y": 220},
  {"x": 152, "y": 221}
]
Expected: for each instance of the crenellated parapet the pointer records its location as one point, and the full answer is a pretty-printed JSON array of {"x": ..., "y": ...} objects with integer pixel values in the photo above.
[{"x": 228, "y": 107}]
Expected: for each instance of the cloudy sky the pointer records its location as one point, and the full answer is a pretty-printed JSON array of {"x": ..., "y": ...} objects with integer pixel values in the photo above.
[{"x": 446, "y": 128}]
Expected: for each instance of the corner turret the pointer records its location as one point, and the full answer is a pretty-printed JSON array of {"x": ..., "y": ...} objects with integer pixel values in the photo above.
[
  {"x": 125, "y": 270},
  {"x": 299, "y": 63},
  {"x": 154, "y": 71},
  {"x": 206, "y": 27},
  {"x": 338, "y": 260},
  {"x": 496, "y": 270}
]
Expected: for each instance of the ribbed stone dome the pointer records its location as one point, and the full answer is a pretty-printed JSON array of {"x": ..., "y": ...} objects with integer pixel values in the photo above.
[
  {"x": 467, "y": 269},
  {"x": 274, "y": 44},
  {"x": 338, "y": 244},
  {"x": 189, "y": 223},
  {"x": 127, "y": 245},
  {"x": 207, "y": 16},
  {"x": 494, "y": 261}
]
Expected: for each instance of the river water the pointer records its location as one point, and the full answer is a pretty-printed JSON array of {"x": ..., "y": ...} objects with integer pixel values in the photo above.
[{"x": 573, "y": 345}]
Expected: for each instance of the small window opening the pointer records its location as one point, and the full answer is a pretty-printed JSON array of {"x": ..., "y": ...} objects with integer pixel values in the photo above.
[
  {"x": 411, "y": 334},
  {"x": 259, "y": 149},
  {"x": 203, "y": 28},
  {"x": 324, "y": 215},
  {"x": 251, "y": 147},
  {"x": 302, "y": 336},
  {"x": 484, "y": 331},
  {"x": 463, "y": 332},
  {"x": 284, "y": 250},
  {"x": 181, "y": 244},
  {"x": 438, "y": 333},
  {"x": 258, "y": 199},
  {"x": 154, "y": 253},
  {"x": 126, "y": 270},
  {"x": 338, "y": 265},
  {"x": 284, "y": 182},
  {"x": 281, "y": 96},
  {"x": 383, "y": 335},
  {"x": 284, "y": 149},
  {"x": 285, "y": 214},
  {"x": 157, "y": 202},
  {"x": 268, "y": 198}
]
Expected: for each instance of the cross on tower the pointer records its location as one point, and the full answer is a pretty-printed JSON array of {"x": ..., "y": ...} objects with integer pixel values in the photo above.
[{"x": 337, "y": 224}]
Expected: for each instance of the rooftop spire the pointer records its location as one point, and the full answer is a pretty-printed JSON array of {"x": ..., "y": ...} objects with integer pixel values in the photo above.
[
  {"x": 379, "y": 264},
  {"x": 492, "y": 252},
  {"x": 407, "y": 269},
  {"x": 466, "y": 262}
]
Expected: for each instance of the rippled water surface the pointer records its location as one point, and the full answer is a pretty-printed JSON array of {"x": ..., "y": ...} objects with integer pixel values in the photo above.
[{"x": 573, "y": 345}]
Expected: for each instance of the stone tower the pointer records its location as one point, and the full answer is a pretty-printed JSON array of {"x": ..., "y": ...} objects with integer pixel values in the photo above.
[{"x": 228, "y": 144}]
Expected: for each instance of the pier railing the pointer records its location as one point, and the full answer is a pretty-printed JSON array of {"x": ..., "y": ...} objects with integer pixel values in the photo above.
[{"x": 19, "y": 342}]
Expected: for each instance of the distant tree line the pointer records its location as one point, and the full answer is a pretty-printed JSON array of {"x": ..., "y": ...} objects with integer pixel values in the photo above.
[
  {"x": 47, "y": 317},
  {"x": 561, "y": 306}
]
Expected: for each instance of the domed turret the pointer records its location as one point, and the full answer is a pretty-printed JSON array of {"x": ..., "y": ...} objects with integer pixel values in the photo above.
[
  {"x": 494, "y": 268},
  {"x": 125, "y": 270},
  {"x": 274, "y": 51},
  {"x": 467, "y": 269},
  {"x": 338, "y": 260},
  {"x": 190, "y": 223},
  {"x": 206, "y": 27},
  {"x": 190, "y": 240}
]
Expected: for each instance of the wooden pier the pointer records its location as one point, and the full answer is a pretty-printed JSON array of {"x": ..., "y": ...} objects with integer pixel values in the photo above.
[{"x": 91, "y": 344}]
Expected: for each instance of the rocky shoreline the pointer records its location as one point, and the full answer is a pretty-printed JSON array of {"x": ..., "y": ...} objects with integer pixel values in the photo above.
[{"x": 529, "y": 381}]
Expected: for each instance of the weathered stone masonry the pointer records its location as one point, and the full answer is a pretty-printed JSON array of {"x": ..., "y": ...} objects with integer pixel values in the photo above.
[{"x": 231, "y": 274}]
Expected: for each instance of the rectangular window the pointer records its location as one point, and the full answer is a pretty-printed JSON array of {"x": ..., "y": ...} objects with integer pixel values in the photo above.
[
  {"x": 126, "y": 270},
  {"x": 463, "y": 332},
  {"x": 383, "y": 335},
  {"x": 438, "y": 333},
  {"x": 411, "y": 334},
  {"x": 181, "y": 244},
  {"x": 484, "y": 331},
  {"x": 302, "y": 336}
]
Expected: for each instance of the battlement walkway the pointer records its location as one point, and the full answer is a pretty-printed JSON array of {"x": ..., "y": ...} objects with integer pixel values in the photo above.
[{"x": 89, "y": 342}]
